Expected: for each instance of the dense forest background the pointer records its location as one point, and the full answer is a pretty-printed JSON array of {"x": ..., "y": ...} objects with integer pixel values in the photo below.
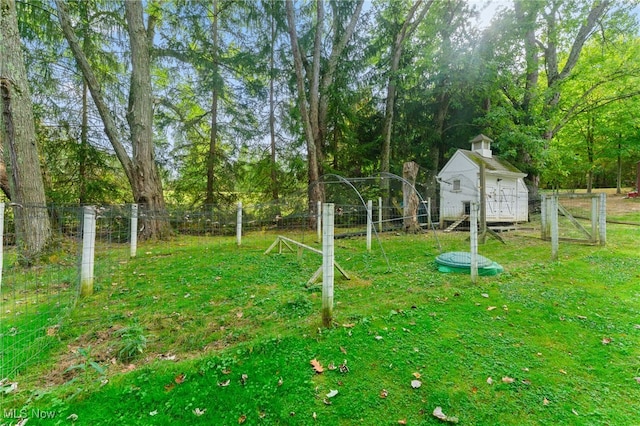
[{"x": 204, "y": 102}]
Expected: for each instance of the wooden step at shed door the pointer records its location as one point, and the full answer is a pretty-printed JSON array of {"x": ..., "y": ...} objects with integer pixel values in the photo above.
[{"x": 457, "y": 223}]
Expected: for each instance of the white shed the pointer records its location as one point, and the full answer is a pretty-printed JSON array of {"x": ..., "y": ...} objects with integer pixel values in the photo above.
[{"x": 506, "y": 193}]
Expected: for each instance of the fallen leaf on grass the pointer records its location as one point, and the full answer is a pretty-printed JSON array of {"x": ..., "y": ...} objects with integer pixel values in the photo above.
[
  {"x": 437, "y": 413},
  {"x": 489, "y": 380},
  {"x": 606, "y": 340},
  {"x": 417, "y": 375},
  {"x": 8, "y": 387},
  {"x": 242, "y": 419},
  {"x": 637, "y": 379},
  {"x": 348, "y": 325},
  {"x": 239, "y": 314},
  {"x": 582, "y": 317},
  {"x": 153, "y": 413},
  {"x": 317, "y": 367},
  {"x": 384, "y": 393},
  {"x": 343, "y": 350},
  {"x": 507, "y": 379},
  {"x": 332, "y": 393},
  {"x": 378, "y": 337},
  {"x": 166, "y": 357},
  {"x": 545, "y": 401},
  {"x": 416, "y": 384},
  {"x": 562, "y": 371},
  {"x": 484, "y": 295},
  {"x": 180, "y": 378},
  {"x": 224, "y": 384},
  {"x": 243, "y": 379},
  {"x": 574, "y": 412},
  {"x": 331, "y": 366},
  {"x": 198, "y": 412},
  {"x": 128, "y": 368},
  {"x": 491, "y": 308},
  {"x": 402, "y": 421},
  {"x": 169, "y": 387}
]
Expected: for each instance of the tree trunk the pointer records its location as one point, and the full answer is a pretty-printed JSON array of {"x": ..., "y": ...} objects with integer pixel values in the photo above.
[
  {"x": 84, "y": 146},
  {"x": 147, "y": 189},
  {"x": 17, "y": 132},
  {"x": 272, "y": 112},
  {"x": 619, "y": 168},
  {"x": 408, "y": 28},
  {"x": 410, "y": 198},
  {"x": 141, "y": 168},
  {"x": 4, "y": 178},
  {"x": 313, "y": 109},
  {"x": 590, "y": 154},
  {"x": 213, "y": 137}
]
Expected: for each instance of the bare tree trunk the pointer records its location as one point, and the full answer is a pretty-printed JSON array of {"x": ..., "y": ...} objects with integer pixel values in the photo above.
[
  {"x": 84, "y": 146},
  {"x": 213, "y": 138},
  {"x": 141, "y": 168},
  {"x": 313, "y": 109},
  {"x": 590, "y": 154},
  {"x": 17, "y": 132},
  {"x": 272, "y": 113},
  {"x": 4, "y": 178},
  {"x": 410, "y": 198},
  {"x": 406, "y": 31},
  {"x": 148, "y": 185}
]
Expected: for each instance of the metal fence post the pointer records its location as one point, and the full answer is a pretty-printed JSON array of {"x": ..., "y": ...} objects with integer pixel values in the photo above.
[
  {"x": 603, "y": 219},
  {"x": 88, "y": 251},
  {"x": 379, "y": 214},
  {"x": 239, "y": 224},
  {"x": 327, "y": 263},
  {"x": 369, "y": 223},
  {"x": 134, "y": 230},
  {"x": 1, "y": 242},
  {"x": 473, "y": 227},
  {"x": 553, "y": 213},
  {"x": 319, "y": 220}
]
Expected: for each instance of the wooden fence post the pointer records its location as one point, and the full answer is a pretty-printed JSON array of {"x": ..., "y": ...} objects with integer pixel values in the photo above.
[
  {"x": 1, "y": 242},
  {"x": 379, "y": 214},
  {"x": 544, "y": 223},
  {"x": 327, "y": 263},
  {"x": 483, "y": 203},
  {"x": 553, "y": 213},
  {"x": 474, "y": 242},
  {"x": 239, "y": 224},
  {"x": 88, "y": 250},
  {"x": 603, "y": 219},
  {"x": 594, "y": 219},
  {"x": 134, "y": 230},
  {"x": 369, "y": 223},
  {"x": 319, "y": 221}
]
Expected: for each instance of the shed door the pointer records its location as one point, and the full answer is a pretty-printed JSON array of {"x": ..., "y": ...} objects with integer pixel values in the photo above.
[{"x": 507, "y": 200}]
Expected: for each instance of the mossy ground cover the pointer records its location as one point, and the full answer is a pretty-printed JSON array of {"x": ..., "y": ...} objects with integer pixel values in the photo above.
[{"x": 224, "y": 335}]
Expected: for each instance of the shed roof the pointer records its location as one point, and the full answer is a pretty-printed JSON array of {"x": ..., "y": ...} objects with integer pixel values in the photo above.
[{"x": 491, "y": 164}]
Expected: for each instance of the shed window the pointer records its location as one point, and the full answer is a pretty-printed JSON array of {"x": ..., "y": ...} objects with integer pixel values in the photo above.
[{"x": 456, "y": 185}]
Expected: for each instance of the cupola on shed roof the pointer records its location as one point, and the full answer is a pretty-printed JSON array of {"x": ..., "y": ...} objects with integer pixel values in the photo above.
[{"x": 482, "y": 145}]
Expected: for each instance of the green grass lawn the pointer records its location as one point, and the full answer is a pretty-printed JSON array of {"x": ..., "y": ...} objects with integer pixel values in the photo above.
[{"x": 197, "y": 331}]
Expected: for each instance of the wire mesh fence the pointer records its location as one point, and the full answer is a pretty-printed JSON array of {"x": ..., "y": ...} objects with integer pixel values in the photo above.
[{"x": 38, "y": 292}]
